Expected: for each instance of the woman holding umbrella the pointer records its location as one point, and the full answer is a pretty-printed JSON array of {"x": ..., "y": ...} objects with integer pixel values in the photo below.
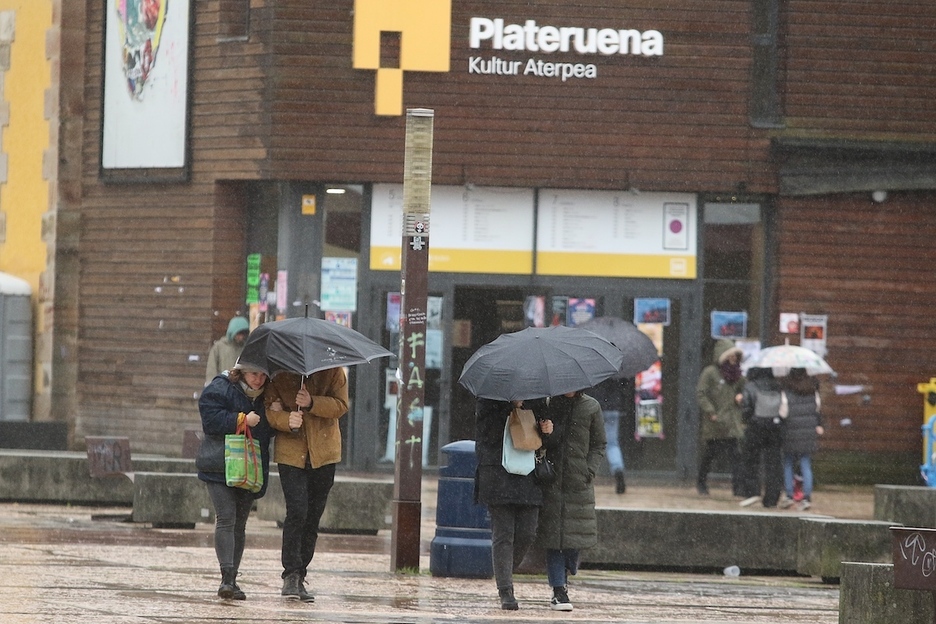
[
  {"x": 232, "y": 398},
  {"x": 512, "y": 500},
  {"x": 568, "y": 522}
]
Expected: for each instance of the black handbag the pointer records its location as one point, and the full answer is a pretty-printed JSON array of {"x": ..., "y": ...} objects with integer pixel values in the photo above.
[{"x": 544, "y": 471}]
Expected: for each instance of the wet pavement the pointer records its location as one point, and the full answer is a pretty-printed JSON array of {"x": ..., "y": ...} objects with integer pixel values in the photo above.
[{"x": 81, "y": 565}]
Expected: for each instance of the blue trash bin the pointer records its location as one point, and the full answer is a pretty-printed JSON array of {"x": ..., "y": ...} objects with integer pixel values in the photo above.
[{"x": 462, "y": 543}]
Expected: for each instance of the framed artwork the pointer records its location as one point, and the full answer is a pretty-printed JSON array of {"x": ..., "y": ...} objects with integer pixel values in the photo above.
[{"x": 145, "y": 121}]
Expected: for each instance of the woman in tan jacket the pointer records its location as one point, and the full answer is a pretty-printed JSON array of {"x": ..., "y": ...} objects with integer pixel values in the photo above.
[{"x": 307, "y": 448}]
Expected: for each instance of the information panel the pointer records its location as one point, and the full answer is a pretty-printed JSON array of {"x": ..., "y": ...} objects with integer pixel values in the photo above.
[
  {"x": 476, "y": 230},
  {"x": 617, "y": 234}
]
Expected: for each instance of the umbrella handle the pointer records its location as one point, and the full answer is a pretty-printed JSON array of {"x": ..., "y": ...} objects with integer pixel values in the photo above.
[{"x": 301, "y": 383}]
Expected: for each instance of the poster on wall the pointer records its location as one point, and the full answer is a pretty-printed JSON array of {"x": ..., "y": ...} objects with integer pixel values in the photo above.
[
  {"x": 339, "y": 284},
  {"x": 652, "y": 311},
  {"x": 729, "y": 324},
  {"x": 534, "y": 311},
  {"x": 146, "y": 73},
  {"x": 789, "y": 323},
  {"x": 580, "y": 311},
  {"x": 813, "y": 332},
  {"x": 648, "y": 390}
]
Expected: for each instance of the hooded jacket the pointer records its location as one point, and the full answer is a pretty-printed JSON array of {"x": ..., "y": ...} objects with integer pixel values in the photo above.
[
  {"x": 716, "y": 396},
  {"x": 577, "y": 446},
  {"x": 224, "y": 352},
  {"x": 318, "y": 441}
]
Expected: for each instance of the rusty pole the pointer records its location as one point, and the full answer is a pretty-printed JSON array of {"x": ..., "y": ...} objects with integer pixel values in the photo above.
[{"x": 407, "y": 482}]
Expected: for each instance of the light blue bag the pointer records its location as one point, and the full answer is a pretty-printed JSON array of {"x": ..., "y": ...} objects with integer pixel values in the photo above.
[{"x": 515, "y": 461}]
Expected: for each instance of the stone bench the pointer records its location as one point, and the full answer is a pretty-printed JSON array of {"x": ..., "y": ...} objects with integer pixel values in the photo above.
[
  {"x": 63, "y": 477},
  {"x": 668, "y": 539},
  {"x": 867, "y": 595},
  {"x": 824, "y": 543},
  {"x": 905, "y": 504},
  {"x": 171, "y": 500},
  {"x": 355, "y": 505}
]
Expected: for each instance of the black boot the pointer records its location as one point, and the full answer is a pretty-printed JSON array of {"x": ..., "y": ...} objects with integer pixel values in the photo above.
[
  {"x": 508, "y": 602},
  {"x": 619, "y": 486},
  {"x": 238, "y": 592},
  {"x": 226, "y": 590},
  {"x": 294, "y": 588}
]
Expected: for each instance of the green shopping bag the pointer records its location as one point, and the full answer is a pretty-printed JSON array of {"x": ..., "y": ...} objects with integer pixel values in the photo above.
[{"x": 242, "y": 460}]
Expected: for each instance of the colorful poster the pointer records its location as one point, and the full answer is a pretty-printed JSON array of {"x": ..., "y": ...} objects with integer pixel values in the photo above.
[
  {"x": 729, "y": 324},
  {"x": 652, "y": 311},
  {"x": 580, "y": 311},
  {"x": 559, "y": 307},
  {"x": 789, "y": 323},
  {"x": 813, "y": 332},
  {"x": 394, "y": 301},
  {"x": 648, "y": 386},
  {"x": 534, "y": 311}
]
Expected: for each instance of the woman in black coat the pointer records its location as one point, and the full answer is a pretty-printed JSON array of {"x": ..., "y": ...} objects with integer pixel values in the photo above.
[
  {"x": 232, "y": 397},
  {"x": 801, "y": 430},
  {"x": 512, "y": 500}
]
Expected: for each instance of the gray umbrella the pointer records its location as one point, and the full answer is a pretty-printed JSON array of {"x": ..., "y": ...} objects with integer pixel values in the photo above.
[
  {"x": 639, "y": 351},
  {"x": 307, "y": 345},
  {"x": 537, "y": 362}
]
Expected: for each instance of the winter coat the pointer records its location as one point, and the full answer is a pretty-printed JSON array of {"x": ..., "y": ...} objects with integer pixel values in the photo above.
[
  {"x": 717, "y": 396},
  {"x": 318, "y": 441},
  {"x": 493, "y": 484},
  {"x": 219, "y": 405},
  {"x": 799, "y": 427},
  {"x": 577, "y": 446},
  {"x": 224, "y": 352}
]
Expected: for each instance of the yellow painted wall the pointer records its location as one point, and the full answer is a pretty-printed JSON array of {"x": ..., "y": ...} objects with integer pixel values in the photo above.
[{"x": 24, "y": 197}]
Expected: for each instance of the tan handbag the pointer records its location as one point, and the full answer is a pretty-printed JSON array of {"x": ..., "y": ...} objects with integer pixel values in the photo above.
[{"x": 523, "y": 432}]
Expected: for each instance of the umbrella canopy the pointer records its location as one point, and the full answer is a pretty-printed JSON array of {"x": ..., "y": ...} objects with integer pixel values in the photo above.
[
  {"x": 639, "y": 351},
  {"x": 307, "y": 345},
  {"x": 784, "y": 357},
  {"x": 539, "y": 362}
]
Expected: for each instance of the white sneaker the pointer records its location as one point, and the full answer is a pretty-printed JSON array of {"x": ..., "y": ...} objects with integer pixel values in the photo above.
[
  {"x": 747, "y": 502},
  {"x": 785, "y": 502},
  {"x": 804, "y": 505},
  {"x": 560, "y": 600}
]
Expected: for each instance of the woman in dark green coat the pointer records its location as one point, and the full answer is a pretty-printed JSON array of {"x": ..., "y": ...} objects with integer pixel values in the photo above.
[{"x": 567, "y": 521}]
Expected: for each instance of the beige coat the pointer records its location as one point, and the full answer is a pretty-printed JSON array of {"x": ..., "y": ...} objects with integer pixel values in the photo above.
[{"x": 319, "y": 438}]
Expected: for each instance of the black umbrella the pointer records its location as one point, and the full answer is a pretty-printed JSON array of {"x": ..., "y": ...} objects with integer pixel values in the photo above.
[
  {"x": 306, "y": 345},
  {"x": 537, "y": 362},
  {"x": 639, "y": 351}
]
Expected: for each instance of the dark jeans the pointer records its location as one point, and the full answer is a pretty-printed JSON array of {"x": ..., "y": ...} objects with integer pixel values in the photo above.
[
  {"x": 560, "y": 564},
  {"x": 306, "y": 492},
  {"x": 232, "y": 508},
  {"x": 761, "y": 444},
  {"x": 715, "y": 448},
  {"x": 513, "y": 529}
]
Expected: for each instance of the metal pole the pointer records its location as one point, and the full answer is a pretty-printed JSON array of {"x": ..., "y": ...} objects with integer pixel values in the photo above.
[{"x": 407, "y": 483}]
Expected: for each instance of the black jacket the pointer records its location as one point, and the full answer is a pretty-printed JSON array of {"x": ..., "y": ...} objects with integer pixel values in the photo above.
[
  {"x": 218, "y": 406},
  {"x": 493, "y": 484}
]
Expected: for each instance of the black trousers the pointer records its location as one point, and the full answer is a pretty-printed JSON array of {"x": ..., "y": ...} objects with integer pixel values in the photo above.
[
  {"x": 306, "y": 492},
  {"x": 715, "y": 448},
  {"x": 513, "y": 530},
  {"x": 761, "y": 446},
  {"x": 232, "y": 508}
]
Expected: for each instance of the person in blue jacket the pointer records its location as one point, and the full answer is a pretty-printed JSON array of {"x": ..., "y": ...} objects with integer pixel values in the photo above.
[{"x": 232, "y": 397}]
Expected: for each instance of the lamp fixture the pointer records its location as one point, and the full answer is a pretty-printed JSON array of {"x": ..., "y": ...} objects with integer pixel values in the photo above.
[
  {"x": 879, "y": 196},
  {"x": 332, "y": 190}
]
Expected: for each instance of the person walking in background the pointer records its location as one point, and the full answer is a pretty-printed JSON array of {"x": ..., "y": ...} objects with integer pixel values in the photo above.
[
  {"x": 225, "y": 351},
  {"x": 304, "y": 411},
  {"x": 513, "y": 501},
  {"x": 232, "y": 398},
  {"x": 719, "y": 396},
  {"x": 801, "y": 430},
  {"x": 760, "y": 411},
  {"x": 616, "y": 397},
  {"x": 568, "y": 522}
]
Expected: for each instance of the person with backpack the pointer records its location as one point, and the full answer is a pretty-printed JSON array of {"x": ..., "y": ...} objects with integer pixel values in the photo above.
[
  {"x": 801, "y": 430},
  {"x": 760, "y": 411}
]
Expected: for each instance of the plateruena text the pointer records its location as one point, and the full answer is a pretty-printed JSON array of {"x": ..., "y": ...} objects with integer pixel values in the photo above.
[
  {"x": 534, "y": 67},
  {"x": 529, "y": 37}
]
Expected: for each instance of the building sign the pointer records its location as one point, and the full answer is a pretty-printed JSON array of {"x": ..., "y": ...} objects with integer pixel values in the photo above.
[{"x": 425, "y": 31}]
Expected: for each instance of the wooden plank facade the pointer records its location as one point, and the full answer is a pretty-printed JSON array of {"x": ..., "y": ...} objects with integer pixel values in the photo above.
[{"x": 160, "y": 266}]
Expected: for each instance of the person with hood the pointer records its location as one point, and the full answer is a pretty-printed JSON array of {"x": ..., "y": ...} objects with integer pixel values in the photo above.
[
  {"x": 304, "y": 411},
  {"x": 232, "y": 398},
  {"x": 224, "y": 352},
  {"x": 802, "y": 427},
  {"x": 568, "y": 522},
  {"x": 760, "y": 411},
  {"x": 718, "y": 393},
  {"x": 512, "y": 500}
]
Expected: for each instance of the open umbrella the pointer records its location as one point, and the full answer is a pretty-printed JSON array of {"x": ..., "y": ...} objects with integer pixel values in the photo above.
[
  {"x": 784, "y": 357},
  {"x": 639, "y": 351},
  {"x": 538, "y": 362},
  {"x": 307, "y": 345}
]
